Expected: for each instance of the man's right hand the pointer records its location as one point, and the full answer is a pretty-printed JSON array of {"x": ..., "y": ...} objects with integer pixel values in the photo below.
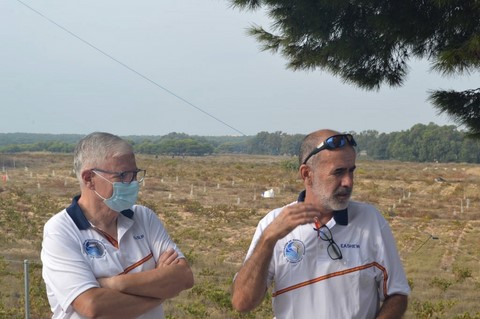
[{"x": 290, "y": 217}]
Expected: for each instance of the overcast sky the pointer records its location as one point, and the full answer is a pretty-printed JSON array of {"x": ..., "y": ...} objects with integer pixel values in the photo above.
[{"x": 184, "y": 66}]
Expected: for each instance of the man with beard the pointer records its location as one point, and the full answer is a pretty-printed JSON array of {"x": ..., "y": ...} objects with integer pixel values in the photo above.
[{"x": 328, "y": 256}]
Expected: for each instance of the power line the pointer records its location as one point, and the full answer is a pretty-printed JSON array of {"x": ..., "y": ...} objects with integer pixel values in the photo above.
[
  {"x": 131, "y": 69},
  {"x": 430, "y": 236}
]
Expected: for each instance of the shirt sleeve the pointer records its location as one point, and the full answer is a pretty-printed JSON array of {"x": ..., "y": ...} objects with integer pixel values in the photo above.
[
  {"x": 159, "y": 239},
  {"x": 396, "y": 282},
  {"x": 65, "y": 270},
  {"x": 264, "y": 222}
]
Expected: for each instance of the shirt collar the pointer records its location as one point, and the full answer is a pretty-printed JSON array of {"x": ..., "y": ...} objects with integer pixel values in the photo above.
[
  {"x": 340, "y": 216},
  {"x": 76, "y": 214}
]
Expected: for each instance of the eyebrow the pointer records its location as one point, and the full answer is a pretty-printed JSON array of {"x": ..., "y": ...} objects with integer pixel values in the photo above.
[{"x": 343, "y": 169}]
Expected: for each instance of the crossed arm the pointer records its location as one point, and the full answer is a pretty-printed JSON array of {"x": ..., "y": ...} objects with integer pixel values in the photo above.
[{"x": 131, "y": 295}]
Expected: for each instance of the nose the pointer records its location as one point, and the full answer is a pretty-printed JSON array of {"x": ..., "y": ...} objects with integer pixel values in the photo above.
[{"x": 347, "y": 180}]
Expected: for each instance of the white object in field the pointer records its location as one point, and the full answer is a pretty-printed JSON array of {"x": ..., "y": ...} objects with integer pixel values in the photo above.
[{"x": 268, "y": 194}]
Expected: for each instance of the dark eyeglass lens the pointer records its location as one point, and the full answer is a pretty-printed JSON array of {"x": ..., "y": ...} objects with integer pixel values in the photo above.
[
  {"x": 334, "y": 251},
  {"x": 325, "y": 234},
  {"x": 331, "y": 143},
  {"x": 127, "y": 177},
  {"x": 337, "y": 141},
  {"x": 351, "y": 140}
]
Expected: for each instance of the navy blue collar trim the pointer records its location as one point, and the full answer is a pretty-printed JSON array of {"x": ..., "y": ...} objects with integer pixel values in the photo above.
[
  {"x": 340, "y": 216},
  {"x": 76, "y": 214}
]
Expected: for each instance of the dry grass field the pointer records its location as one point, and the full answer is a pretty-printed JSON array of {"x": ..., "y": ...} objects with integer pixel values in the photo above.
[{"x": 211, "y": 205}]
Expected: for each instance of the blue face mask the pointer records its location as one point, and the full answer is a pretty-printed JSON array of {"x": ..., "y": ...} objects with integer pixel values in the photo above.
[{"x": 123, "y": 197}]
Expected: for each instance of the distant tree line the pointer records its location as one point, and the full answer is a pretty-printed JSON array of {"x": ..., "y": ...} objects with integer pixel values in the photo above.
[
  {"x": 50, "y": 146},
  {"x": 421, "y": 143},
  {"x": 175, "y": 144}
]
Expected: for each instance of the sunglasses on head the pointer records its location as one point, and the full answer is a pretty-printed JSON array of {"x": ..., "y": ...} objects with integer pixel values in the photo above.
[{"x": 333, "y": 142}]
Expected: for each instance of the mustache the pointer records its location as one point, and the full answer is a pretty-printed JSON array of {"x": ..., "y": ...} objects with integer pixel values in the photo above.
[{"x": 343, "y": 191}]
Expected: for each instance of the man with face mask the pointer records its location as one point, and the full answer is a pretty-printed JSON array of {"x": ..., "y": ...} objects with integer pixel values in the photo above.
[
  {"x": 104, "y": 256},
  {"x": 328, "y": 257}
]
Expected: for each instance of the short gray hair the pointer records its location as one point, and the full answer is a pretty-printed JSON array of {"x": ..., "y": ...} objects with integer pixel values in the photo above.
[
  {"x": 95, "y": 148},
  {"x": 309, "y": 142}
]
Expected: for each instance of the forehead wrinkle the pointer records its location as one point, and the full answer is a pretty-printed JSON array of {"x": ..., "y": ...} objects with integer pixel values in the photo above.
[{"x": 338, "y": 158}]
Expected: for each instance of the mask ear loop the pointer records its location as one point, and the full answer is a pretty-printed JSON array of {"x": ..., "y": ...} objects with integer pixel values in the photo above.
[{"x": 96, "y": 190}]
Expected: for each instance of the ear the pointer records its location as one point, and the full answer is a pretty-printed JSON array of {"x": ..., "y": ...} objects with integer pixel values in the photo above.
[
  {"x": 87, "y": 179},
  {"x": 306, "y": 174}
]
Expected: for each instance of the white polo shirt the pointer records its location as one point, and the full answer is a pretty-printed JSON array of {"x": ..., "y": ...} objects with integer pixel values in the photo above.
[
  {"x": 74, "y": 254},
  {"x": 309, "y": 284}
]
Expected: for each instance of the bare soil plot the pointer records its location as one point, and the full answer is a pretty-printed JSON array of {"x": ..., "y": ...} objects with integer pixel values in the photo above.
[{"x": 211, "y": 206}]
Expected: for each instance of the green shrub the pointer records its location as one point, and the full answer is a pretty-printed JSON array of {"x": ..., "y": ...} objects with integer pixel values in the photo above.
[
  {"x": 462, "y": 273},
  {"x": 443, "y": 284},
  {"x": 430, "y": 309}
]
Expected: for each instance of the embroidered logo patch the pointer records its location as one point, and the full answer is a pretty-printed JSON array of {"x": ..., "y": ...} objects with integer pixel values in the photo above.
[
  {"x": 94, "y": 248},
  {"x": 294, "y": 250}
]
